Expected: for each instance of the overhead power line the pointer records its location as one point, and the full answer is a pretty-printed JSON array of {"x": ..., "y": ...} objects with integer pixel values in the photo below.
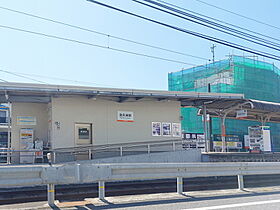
[
  {"x": 18, "y": 75},
  {"x": 3, "y": 80},
  {"x": 57, "y": 78},
  {"x": 217, "y": 20},
  {"x": 211, "y": 24},
  {"x": 220, "y": 41},
  {"x": 205, "y": 20},
  {"x": 95, "y": 45},
  {"x": 100, "y": 33},
  {"x": 240, "y": 15}
]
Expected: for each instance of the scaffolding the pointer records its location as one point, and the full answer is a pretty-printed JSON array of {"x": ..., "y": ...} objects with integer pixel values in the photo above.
[{"x": 237, "y": 74}]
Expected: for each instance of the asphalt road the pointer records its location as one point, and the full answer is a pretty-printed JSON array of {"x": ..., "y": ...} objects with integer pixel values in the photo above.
[
  {"x": 253, "y": 198},
  {"x": 231, "y": 202}
]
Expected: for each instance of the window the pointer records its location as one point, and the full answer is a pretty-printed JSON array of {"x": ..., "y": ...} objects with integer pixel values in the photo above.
[
  {"x": 3, "y": 118},
  {"x": 83, "y": 133}
]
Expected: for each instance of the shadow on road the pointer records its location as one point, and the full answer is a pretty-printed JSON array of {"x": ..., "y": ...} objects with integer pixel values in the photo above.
[{"x": 186, "y": 197}]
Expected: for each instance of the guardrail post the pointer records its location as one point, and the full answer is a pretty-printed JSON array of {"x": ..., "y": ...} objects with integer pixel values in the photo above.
[
  {"x": 8, "y": 156},
  {"x": 89, "y": 154},
  {"x": 173, "y": 145},
  {"x": 78, "y": 173},
  {"x": 149, "y": 149},
  {"x": 180, "y": 185},
  {"x": 53, "y": 157},
  {"x": 51, "y": 194},
  {"x": 101, "y": 190},
  {"x": 240, "y": 182},
  {"x": 121, "y": 151}
]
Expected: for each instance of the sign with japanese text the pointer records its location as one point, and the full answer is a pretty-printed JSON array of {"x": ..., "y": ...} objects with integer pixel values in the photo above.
[{"x": 124, "y": 116}]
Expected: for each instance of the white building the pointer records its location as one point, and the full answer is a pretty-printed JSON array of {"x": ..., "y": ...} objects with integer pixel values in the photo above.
[{"x": 69, "y": 116}]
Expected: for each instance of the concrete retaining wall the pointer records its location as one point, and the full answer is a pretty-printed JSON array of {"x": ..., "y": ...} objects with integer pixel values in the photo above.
[
  {"x": 192, "y": 155},
  {"x": 241, "y": 157}
]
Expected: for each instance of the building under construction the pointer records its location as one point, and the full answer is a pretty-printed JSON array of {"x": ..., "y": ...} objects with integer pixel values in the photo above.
[{"x": 237, "y": 74}]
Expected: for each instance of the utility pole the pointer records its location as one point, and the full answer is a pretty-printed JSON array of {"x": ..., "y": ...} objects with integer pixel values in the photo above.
[
  {"x": 213, "y": 52},
  {"x": 210, "y": 144}
]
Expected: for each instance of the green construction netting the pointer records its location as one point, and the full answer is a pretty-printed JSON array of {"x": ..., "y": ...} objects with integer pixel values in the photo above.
[{"x": 255, "y": 79}]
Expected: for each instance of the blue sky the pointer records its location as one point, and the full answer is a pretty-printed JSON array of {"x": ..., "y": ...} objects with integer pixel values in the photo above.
[{"x": 32, "y": 54}]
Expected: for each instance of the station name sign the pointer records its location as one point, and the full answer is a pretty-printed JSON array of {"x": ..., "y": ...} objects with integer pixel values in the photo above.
[
  {"x": 241, "y": 113},
  {"x": 125, "y": 116}
]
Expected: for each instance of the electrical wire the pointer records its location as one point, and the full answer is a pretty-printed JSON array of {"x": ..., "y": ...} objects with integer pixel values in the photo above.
[
  {"x": 244, "y": 36},
  {"x": 100, "y": 33},
  {"x": 243, "y": 16},
  {"x": 57, "y": 78},
  {"x": 220, "y": 41},
  {"x": 3, "y": 80},
  {"x": 15, "y": 74},
  {"x": 95, "y": 45},
  {"x": 217, "y": 20},
  {"x": 252, "y": 36}
]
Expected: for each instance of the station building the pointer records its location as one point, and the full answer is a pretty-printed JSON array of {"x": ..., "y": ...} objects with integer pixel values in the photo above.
[
  {"x": 237, "y": 74},
  {"x": 54, "y": 116}
]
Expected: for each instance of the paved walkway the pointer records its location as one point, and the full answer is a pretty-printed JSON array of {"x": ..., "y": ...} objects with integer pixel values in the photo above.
[{"x": 189, "y": 200}]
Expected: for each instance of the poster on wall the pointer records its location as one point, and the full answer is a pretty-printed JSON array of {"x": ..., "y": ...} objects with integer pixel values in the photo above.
[
  {"x": 26, "y": 138},
  {"x": 200, "y": 137},
  {"x": 166, "y": 129},
  {"x": 26, "y": 120},
  {"x": 156, "y": 129},
  {"x": 176, "y": 129}
]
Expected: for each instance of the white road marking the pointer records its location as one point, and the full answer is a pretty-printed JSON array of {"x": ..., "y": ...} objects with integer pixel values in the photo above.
[{"x": 235, "y": 205}]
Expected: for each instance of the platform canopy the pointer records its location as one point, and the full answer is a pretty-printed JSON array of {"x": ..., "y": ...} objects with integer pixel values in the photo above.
[
  {"x": 217, "y": 104},
  {"x": 254, "y": 110}
]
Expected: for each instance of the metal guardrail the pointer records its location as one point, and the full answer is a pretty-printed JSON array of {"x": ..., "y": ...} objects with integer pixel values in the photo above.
[
  {"x": 115, "y": 150},
  {"x": 118, "y": 145},
  {"x": 89, "y": 152},
  {"x": 101, "y": 173},
  {"x": 6, "y": 155}
]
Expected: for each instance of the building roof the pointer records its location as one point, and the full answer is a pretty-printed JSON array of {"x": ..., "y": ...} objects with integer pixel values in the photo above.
[
  {"x": 216, "y": 103},
  {"x": 221, "y": 64},
  {"x": 42, "y": 93}
]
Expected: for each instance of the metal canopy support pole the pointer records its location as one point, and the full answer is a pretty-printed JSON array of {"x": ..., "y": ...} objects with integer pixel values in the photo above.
[
  {"x": 210, "y": 125},
  {"x": 51, "y": 194},
  {"x": 180, "y": 185},
  {"x": 223, "y": 134},
  {"x": 205, "y": 128},
  {"x": 240, "y": 182},
  {"x": 9, "y": 128},
  {"x": 101, "y": 190},
  {"x": 9, "y": 133}
]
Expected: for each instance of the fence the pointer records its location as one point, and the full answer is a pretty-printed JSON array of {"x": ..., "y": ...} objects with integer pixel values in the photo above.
[
  {"x": 114, "y": 150},
  {"x": 31, "y": 156},
  {"x": 93, "y": 151},
  {"x": 101, "y": 173}
]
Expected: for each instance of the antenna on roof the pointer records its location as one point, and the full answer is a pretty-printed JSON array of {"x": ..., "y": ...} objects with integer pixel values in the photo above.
[{"x": 213, "y": 52}]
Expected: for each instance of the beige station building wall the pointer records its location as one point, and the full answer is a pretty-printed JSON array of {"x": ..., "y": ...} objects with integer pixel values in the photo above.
[
  {"x": 38, "y": 110},
  {"x": 55, "y": 122},
  {"x": 102, "y": 114}
]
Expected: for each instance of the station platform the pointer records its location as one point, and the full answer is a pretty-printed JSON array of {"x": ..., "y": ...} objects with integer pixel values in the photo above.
[{"x": 188, "y": 200}]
